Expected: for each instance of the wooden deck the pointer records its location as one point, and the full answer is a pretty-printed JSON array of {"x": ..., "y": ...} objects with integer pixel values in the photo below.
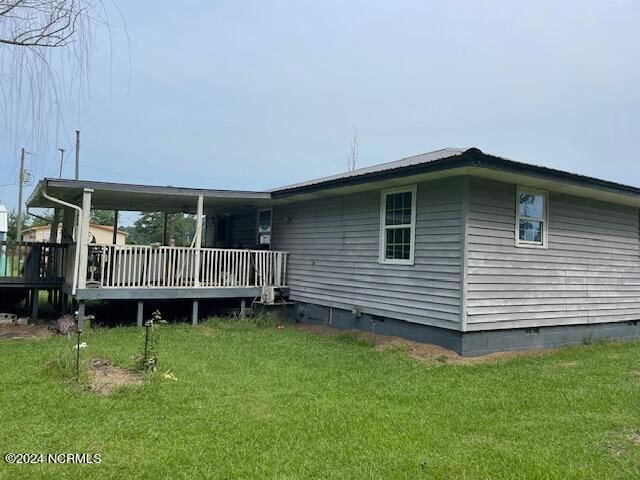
[
  {"x": 32, "y": 265},
  {"x": 138, "y": 272}
]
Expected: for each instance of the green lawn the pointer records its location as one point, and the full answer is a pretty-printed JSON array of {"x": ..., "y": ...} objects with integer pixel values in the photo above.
[{"x": 256, "y": 402}]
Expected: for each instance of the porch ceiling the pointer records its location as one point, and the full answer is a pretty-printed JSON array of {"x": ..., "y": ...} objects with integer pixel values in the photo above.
[{"x": 130, "y": 197}]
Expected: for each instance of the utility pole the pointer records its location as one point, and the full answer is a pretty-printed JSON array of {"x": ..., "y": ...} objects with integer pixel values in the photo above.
[
  {"x": 61, "y": 160},
  {"x": 77, "y": 154},
  {"x": 20, "y": 185}
]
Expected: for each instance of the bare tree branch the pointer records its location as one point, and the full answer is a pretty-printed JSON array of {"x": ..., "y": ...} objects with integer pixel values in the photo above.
[
  {"x": 45, "y": 47},
  {"x": 352, "y": 158},
  {"x": 41, "y": 23}
]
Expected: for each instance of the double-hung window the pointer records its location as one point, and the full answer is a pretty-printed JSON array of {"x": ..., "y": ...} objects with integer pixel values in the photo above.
[
  {"x": 531, "y": 217},
  {"x": 397, "y": 225}
]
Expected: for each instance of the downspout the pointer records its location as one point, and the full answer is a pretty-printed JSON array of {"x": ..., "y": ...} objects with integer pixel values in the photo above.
[{"x": 76, "y": 260}]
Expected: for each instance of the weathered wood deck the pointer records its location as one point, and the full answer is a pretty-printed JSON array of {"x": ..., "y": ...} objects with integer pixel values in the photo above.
[
  {"x": 161, "y": 272},
  {"x": 32, "y": 264}
]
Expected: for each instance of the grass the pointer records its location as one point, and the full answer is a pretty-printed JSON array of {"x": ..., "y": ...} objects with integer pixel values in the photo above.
[{"x": 257, "y": 402}]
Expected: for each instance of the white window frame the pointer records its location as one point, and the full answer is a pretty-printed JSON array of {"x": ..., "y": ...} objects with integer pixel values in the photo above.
[
  {"x": 383, "y": 227},
  {"x": 545, "y": 220}
]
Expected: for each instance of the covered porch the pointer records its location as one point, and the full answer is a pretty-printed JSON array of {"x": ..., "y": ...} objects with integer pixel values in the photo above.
[{"x": 229, "y": 254}]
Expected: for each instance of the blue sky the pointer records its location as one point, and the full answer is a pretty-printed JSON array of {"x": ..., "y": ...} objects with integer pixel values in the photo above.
[{"x": 259, "y": 94}]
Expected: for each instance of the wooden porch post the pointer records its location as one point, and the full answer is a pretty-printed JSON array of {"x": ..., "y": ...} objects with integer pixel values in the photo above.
[
  {"x": 194, "y": 313},
  {"x": 198, "y": 245},
  {"x": 67, "y": 226},
  {"x": 165, "y": 240},
  {"x": 115, "y": 227},
  {"x": 53, "y": 231},
  {"x": 64, "y": 304},
  {"x": 35, "y": 303},
  {"x": 139, "y": 317},
  {"x": 53, "y": 238},
  {"x": 82, "y": 239}
]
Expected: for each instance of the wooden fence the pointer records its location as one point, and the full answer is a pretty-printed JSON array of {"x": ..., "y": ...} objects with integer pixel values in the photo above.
[{"x": 32, "y": 262}]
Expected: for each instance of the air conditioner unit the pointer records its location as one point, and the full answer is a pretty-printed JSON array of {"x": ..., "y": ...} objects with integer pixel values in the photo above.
[{"x": 268, "y": 295}]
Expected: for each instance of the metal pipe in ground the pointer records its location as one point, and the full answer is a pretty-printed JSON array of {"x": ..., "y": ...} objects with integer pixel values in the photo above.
[{"x": 78, "y": 357}]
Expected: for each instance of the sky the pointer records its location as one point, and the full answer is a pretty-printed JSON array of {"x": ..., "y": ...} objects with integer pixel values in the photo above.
[{"x": 254, "y": 95}]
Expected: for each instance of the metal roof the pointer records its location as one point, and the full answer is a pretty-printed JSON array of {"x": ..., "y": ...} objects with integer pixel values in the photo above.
[
  {"x": 469, "y": 161},
  {"x": 445, "y": 162},
  {"x": 125, "y": 196},
  {"x": 382, "y": 167}
]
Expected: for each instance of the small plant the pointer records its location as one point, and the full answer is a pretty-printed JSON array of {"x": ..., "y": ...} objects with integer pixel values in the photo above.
[
  {"x": 157, "y": 319},
  {"x": 64, "y": 365},
  {"x": 148, "y": 360}
]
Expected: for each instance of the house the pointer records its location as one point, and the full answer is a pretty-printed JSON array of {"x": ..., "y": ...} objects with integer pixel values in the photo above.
[
  {"x": 100, "y": 234},
  {"x": 456, "y": 247}
]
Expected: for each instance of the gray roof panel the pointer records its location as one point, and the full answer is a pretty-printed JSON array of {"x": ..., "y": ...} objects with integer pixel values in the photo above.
[{"x": 381, "y": 167}]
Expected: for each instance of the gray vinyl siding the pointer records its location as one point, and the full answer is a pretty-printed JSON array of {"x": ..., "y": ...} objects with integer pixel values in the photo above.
[
  {"x": 590, "y": 272},
  {"x": 334, "y": 245},
  {"x": 244, "y": 230}
]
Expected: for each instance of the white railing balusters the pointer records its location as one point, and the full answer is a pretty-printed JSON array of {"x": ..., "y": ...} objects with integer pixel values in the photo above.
[
  {"x": 216, "y": 261},
  {"x": 141, "y": 266}
]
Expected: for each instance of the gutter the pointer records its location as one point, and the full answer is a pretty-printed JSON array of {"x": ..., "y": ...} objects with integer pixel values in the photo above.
[
  {"x": 76, "y": 261},
  {"x": 483, "y": 160}
]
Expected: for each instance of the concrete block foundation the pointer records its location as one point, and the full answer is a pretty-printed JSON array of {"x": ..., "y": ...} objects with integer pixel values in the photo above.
[{"x": 470, "y": 344}]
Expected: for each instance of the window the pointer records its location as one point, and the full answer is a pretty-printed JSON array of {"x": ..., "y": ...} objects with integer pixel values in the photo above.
[
  {"x": 397, "y": 225},
  {"x": 264, "y": 228},
  {"x": 531, "y": 218}
]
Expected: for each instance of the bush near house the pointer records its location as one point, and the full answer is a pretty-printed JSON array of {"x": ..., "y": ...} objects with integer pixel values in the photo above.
[{"x": 248, "y": 401}]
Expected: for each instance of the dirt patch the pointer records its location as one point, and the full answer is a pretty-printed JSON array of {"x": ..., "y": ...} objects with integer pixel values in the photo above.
[
  {"x": 24, "y": 331},
  {"x": 635, "y": 438},
  {"x": 421, "y": 351},
  {"x": 104, "y": 378}
]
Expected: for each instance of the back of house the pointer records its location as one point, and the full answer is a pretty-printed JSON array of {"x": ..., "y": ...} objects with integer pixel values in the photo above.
[
  {"x": 466, "y": 250},
  {"x": 456, "y": 247}
]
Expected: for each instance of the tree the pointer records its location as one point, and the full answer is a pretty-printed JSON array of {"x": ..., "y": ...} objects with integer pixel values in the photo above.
[
  {"x": 149, "y": 228},
  {"x": 103, "y": 217},
  {"x": 12, "y": 221},
  {"x": 44, "y": 219},
  {"x": 352, "y": 158},
  {"x": 42, "y": 23},
  {"x": 44, "y": 52}
]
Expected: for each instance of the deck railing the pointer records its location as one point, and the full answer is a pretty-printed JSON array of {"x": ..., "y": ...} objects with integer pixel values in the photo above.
[
  {"x": 142, "y": 266},
  {"x": 32, "y": 262}
]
